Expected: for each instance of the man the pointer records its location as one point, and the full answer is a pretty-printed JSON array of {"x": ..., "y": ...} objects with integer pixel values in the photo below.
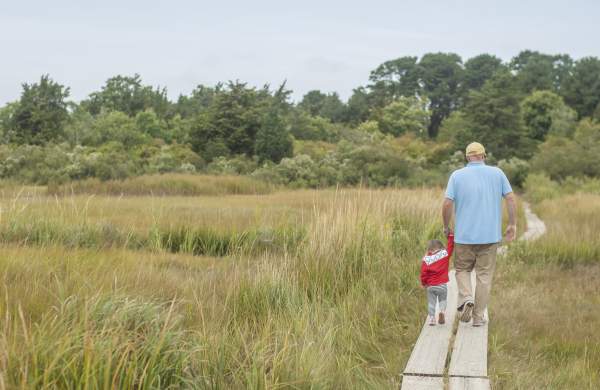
[{"x": 475, "y": 193}]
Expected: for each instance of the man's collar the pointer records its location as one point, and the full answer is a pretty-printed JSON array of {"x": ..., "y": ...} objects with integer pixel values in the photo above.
[{"x": 481, "y": 162}]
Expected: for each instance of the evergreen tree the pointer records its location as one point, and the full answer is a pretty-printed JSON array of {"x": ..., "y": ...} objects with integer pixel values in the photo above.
[
  {"x": 494, "y": 118},
  {"x": 41, "y": 113},
  {"x": 273, "y": 140}
]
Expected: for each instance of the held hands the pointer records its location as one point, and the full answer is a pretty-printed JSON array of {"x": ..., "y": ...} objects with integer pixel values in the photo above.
[
  {"x": 447, "y": 231},
  {"x": 510, "y": 233}
]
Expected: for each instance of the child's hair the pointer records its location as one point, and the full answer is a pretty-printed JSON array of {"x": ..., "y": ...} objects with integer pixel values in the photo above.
[{"x": 433, "y": 245}]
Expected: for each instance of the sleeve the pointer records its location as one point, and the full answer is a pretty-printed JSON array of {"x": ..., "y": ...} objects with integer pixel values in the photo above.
[
  {"x": 450, "y": 188},
  {"x": 450, "y": 247},
  {"x": 506, "y": 188},
  {"x": 423, "y": 278}
]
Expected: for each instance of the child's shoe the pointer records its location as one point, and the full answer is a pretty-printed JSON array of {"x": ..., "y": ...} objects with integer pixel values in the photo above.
[
  {"x": 441, "y": 319},
  {"x": 431, "y": 320}
]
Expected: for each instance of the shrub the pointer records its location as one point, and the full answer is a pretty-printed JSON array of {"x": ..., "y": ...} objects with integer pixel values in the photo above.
[
  {"x": 515, "y": 169},
  {"x": 238, "y": 165},
  {"x": 540, "y": 187},
  {"x": 405, "y": 115}
]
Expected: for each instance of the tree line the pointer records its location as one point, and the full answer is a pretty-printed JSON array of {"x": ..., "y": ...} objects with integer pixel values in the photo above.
[{"x": 536, "y": 112}]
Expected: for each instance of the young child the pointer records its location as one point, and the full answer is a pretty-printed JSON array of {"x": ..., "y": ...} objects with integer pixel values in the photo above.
[{"x": 434, "y": 276}]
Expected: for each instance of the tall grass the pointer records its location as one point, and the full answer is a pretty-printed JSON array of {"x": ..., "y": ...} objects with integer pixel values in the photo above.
[
  {"x": 545, "y": 318},
  {"x": 337, "y": 306},
  {"x": 573, "y": 223},
  {"x": 166, "y": 185}
]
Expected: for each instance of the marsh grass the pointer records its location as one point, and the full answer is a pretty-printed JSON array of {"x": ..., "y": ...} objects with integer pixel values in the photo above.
[
  {"x": 573, "y": 223},
  {"x": 328, "y": 301},
  {"x": 166, "y": 185},
  {"x": 545, "y": 317}
]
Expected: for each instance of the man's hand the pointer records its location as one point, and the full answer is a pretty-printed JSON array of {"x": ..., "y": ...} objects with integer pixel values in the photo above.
[
  {"x": 510, "y": 233},
  {"x": 447, "y": 231}
]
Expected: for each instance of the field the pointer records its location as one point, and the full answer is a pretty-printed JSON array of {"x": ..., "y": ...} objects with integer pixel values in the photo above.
[
  {"x": 300, "y": 289},
  {"x": 544, "y": 309}
]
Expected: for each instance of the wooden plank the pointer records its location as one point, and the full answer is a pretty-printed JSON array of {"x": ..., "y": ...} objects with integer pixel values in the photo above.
[
  {"x": 462, "y": 383},
  {"x": 429, "y": 353},
  {"x": 410, "y": 382},
  {"x": 469, "y": 355}
]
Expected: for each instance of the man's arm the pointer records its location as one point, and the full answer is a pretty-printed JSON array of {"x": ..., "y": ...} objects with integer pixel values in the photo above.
[
  {"x": 511, "y": 230},
  {"x": 447, "y": 209}
]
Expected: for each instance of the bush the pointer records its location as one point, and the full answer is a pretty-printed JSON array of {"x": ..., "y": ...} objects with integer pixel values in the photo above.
[
  {"x": 540, "y": 187},
  {"x": 238, "y": 165},
  {"x": 560, "y": 157},
  {"x": 515, "y": 169},
  {"x": 405, "y": 115}
]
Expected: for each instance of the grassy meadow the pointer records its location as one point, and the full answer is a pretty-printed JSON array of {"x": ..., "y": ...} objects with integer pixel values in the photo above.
[
  {"x": 302, "y": 289},
  {"x": 270, "y": 289},
  {"x": 544, "y": 309}
]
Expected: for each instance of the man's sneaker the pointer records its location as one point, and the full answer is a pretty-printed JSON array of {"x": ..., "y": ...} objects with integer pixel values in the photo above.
[
  {"x": 467, "y": 311},
  {"x": 479, "y": 322},
  {"x": 431, "y": 320},
  {"x": 441, "y": 319}
]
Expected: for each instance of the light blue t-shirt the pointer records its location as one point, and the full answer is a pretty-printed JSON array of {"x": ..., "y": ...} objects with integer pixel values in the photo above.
[{"x": 477, "y": 191}]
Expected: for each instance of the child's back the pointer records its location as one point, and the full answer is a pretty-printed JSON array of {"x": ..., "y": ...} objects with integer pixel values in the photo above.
[{"x": 434, "y": 276}]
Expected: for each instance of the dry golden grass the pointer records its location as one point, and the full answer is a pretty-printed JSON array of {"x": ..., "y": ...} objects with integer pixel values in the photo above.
[
  {"x": 340, "y": 309},
  {"x": 171, "y": 184},
  {"x": 545, "y": 328},
  {"x": 545, "y": 317}
]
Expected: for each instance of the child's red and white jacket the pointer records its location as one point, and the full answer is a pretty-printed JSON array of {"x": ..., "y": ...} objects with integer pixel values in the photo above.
[{"x": 434, "y": 266}]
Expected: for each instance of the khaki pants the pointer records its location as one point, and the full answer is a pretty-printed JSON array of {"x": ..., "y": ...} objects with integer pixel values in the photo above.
[{"x": 481, "y": 258}]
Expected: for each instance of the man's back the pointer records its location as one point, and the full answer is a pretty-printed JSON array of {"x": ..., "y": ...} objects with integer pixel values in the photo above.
[{"x": 477, "y": 192}]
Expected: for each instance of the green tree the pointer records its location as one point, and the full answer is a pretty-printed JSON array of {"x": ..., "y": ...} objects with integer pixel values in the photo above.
[
  {"x": 147, "y": 122},
  {"x": 358, "y": 106},
  {"x": 405, "y": 115},
  {"x": 479, "y": 69},
  {"x": 115, "y": 127},
  {"x": 582, "y": 90},
  {"x": 42, "y": 112},
  {"x": 494, "y": 118},
  {"x": 199, "y": 100},
  {"x": 456, "y": 130},
  {"x": 230, "y": 124},
  {"x": 538, "y": 110},
  {"x": 7, "y": 114},
  {"x": 273, "y": 141},
  {"x": 441, "y": 75},
  {"x": 80, "y": 127},
  {"x": 538, "y": 71},
  {"x": 303, "y": 126},
  {"x": 128, "y": 94},
  {"x": 395, "y": 78},
  {"x": 328, "y": 106}
]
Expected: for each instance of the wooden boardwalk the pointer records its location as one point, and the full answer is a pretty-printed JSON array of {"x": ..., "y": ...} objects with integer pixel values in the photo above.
[
  {"x": 429, "y": 354},
  {"x": 468, "y": 367},
  {"x": 467, "y": 370}
]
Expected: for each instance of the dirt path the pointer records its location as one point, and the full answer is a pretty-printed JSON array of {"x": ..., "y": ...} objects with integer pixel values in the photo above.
[{"x": 468, "y": 364}]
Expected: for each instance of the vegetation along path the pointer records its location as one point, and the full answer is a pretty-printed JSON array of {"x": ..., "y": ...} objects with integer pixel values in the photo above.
[{"x": 467, "y": 367}]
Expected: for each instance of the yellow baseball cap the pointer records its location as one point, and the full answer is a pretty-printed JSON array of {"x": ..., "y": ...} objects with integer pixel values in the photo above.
[{"x": 474, "y": 149}]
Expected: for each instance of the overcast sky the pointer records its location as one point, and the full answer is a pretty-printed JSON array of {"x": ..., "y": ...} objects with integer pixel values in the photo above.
[{"x": 326, "y": 45}]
